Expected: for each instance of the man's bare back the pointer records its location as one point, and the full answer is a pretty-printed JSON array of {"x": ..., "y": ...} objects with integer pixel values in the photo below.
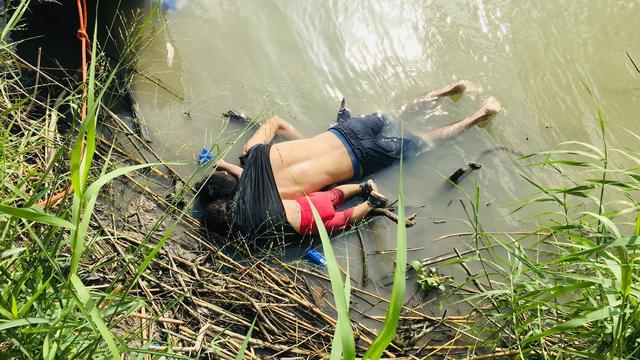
[{"x": 307, "y": 165}]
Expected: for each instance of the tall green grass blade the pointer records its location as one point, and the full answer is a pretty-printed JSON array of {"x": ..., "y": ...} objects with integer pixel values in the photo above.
[
  {"x": 245, "y": 342},
  {"x": 15, "y": 18},
  {"x": 5, "y": 325},
  {"x": 343, "y": 326},
  {"x": 37, "y": 215},
  {"x": 399, "y": 283},
  {"x": 88, "y": 307},
  {"x": 12, "y": 252}
]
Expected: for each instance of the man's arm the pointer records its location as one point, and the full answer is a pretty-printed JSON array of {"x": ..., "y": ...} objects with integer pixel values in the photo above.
[{"x": 269, "y": 129}]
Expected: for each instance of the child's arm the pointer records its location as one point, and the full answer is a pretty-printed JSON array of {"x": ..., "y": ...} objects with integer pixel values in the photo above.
[{"x": 232, "y": 169}]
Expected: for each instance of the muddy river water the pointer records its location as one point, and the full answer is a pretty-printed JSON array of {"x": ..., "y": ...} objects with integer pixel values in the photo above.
[{"x": 298, "y": 58}]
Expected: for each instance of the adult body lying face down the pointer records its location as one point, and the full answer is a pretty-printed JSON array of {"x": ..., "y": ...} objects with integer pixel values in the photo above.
[{"x": 267, "y": 197}]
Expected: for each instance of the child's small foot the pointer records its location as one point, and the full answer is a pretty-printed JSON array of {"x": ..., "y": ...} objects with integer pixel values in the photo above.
[
  {"x": 377, "y": 200},
  {"x": 367, "y": 187}
]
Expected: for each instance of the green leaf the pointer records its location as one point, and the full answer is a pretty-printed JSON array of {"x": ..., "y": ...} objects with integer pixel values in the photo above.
[
  {"x": 396, "y": 302},
  {"x": 245, "y": 342},
  {"x": 4, "y": 325},
  {"x": 12, "y": 252},
  {"x": 343, "y": 327},
  {"x": 35, "y": 214},
  {"x": 88, "y": 307}
]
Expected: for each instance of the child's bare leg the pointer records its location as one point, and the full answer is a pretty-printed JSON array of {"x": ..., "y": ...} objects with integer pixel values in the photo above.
[
  {"x": 440, "y": 135},
  {"x": 449, "y": 90},
  {"x": 359, "y": 212},
  {"x": 349, "y": 190}
]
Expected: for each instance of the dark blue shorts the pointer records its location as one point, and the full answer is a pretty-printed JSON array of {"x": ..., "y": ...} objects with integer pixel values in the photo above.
[{"x": 370, "y": 143}]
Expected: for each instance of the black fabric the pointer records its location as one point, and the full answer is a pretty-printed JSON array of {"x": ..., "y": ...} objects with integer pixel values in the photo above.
[
  {"x": 257, "y": 209},
  {"x": 367, "y": 136}
]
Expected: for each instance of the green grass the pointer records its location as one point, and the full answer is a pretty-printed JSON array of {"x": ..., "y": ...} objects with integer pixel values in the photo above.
[
  {"x": 46, "y": 311},
  {"x": 343, "y": 345},
  {"x": 572, "y": 292}
]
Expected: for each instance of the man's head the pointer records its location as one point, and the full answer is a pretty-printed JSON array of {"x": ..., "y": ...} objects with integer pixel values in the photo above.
[{"x": 219, "y": 186}]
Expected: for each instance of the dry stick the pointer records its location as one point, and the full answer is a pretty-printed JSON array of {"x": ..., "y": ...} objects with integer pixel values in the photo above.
[
  {"x": 137, "y": 116},
  {"x": 410, "y": 310},
  {"x": 145, "y": 333},
  {"x": 209, "y": 271},
  {"x": 393, "y": 251},
  {"x": 37, "y": 81},
  {"x": 159, "y": 84},
  {"x": 259, "y": 343},
  {"x": 152, "y": 194},
  {"x": 494, "y": 355},
  {"x": 365, "y": 265},
  {"x": 129, "y": 157},
  {"x": 441, "y": 258},
  {"x": 131, "y": 269},
  {"x": 633, "y": 62},
  {"x": 370, "y": 331},
  {"x": 160, "y": 319},
  {"x": 445, "y": 346},
  {"x": 196, "y": 346},
  {"x": 265, "y": 319},
  {"x": 275, "y": 356},
  {"x": 539, "y": 233},
  {"x": 146, "y": 146},
  {"x": 481, "y": 288},
  {"x": 466, "y": 269},
  {"x": 50, "y": 128},
  {"x": 409, "y": 221},
  {"x": 104, "y": 107}
]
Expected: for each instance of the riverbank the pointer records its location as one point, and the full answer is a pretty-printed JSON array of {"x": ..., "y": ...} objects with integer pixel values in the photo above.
[
  {"x": 119, "y": 268},
  {"x": 150, "y": 277}
]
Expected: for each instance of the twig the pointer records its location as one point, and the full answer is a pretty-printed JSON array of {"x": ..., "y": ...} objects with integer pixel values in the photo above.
[
  {"x": 409, "y": 221},
  {"x": 634, "y": 64},
  {"x": 365, "y": 265},
  {"x": 466, "y": 269},
  {"x": 471, "y": 233},
  {"x": 494, "y": 355}
]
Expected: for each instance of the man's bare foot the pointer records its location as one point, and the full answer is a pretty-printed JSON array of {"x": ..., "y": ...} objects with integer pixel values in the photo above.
[
  {"x": 491, "y": 107},
  {"x": 452, "y": 89}
]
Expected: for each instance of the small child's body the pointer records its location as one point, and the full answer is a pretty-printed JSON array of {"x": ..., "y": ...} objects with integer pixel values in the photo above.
[{"x": 300, "y": 215}]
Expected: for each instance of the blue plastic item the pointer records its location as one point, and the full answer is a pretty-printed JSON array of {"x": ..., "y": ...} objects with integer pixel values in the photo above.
[
  {"x": 315, "y": 257},
  {"x": 169, "y": 4},
  {"x": 205, "y": 156}
]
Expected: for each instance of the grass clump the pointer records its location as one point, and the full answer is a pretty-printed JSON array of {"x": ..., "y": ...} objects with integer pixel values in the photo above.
[{"x": 570, "y": 288}]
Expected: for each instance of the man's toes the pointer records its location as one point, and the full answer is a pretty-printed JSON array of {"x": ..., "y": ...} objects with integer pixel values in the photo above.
[
  {"x": 469, "y": 86},
  {"x": 492, "y": 105}
]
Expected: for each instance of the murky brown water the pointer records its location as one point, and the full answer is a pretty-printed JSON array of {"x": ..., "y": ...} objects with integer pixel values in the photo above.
[{"x": 299, "y": 58}]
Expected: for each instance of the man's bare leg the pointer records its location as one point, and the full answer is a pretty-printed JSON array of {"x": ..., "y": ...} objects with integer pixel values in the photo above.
[
  {"x": 449, "y": 90},
  {"x": 440, "y": 135}
]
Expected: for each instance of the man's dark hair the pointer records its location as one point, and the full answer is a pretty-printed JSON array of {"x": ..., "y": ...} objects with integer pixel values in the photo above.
[
  {"x": 219, "y": 186},
  {"x": 216, "y": 218}
]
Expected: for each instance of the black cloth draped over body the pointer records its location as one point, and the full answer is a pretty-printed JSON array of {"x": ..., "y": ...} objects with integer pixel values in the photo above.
[{"x": 257, "y": 209}]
